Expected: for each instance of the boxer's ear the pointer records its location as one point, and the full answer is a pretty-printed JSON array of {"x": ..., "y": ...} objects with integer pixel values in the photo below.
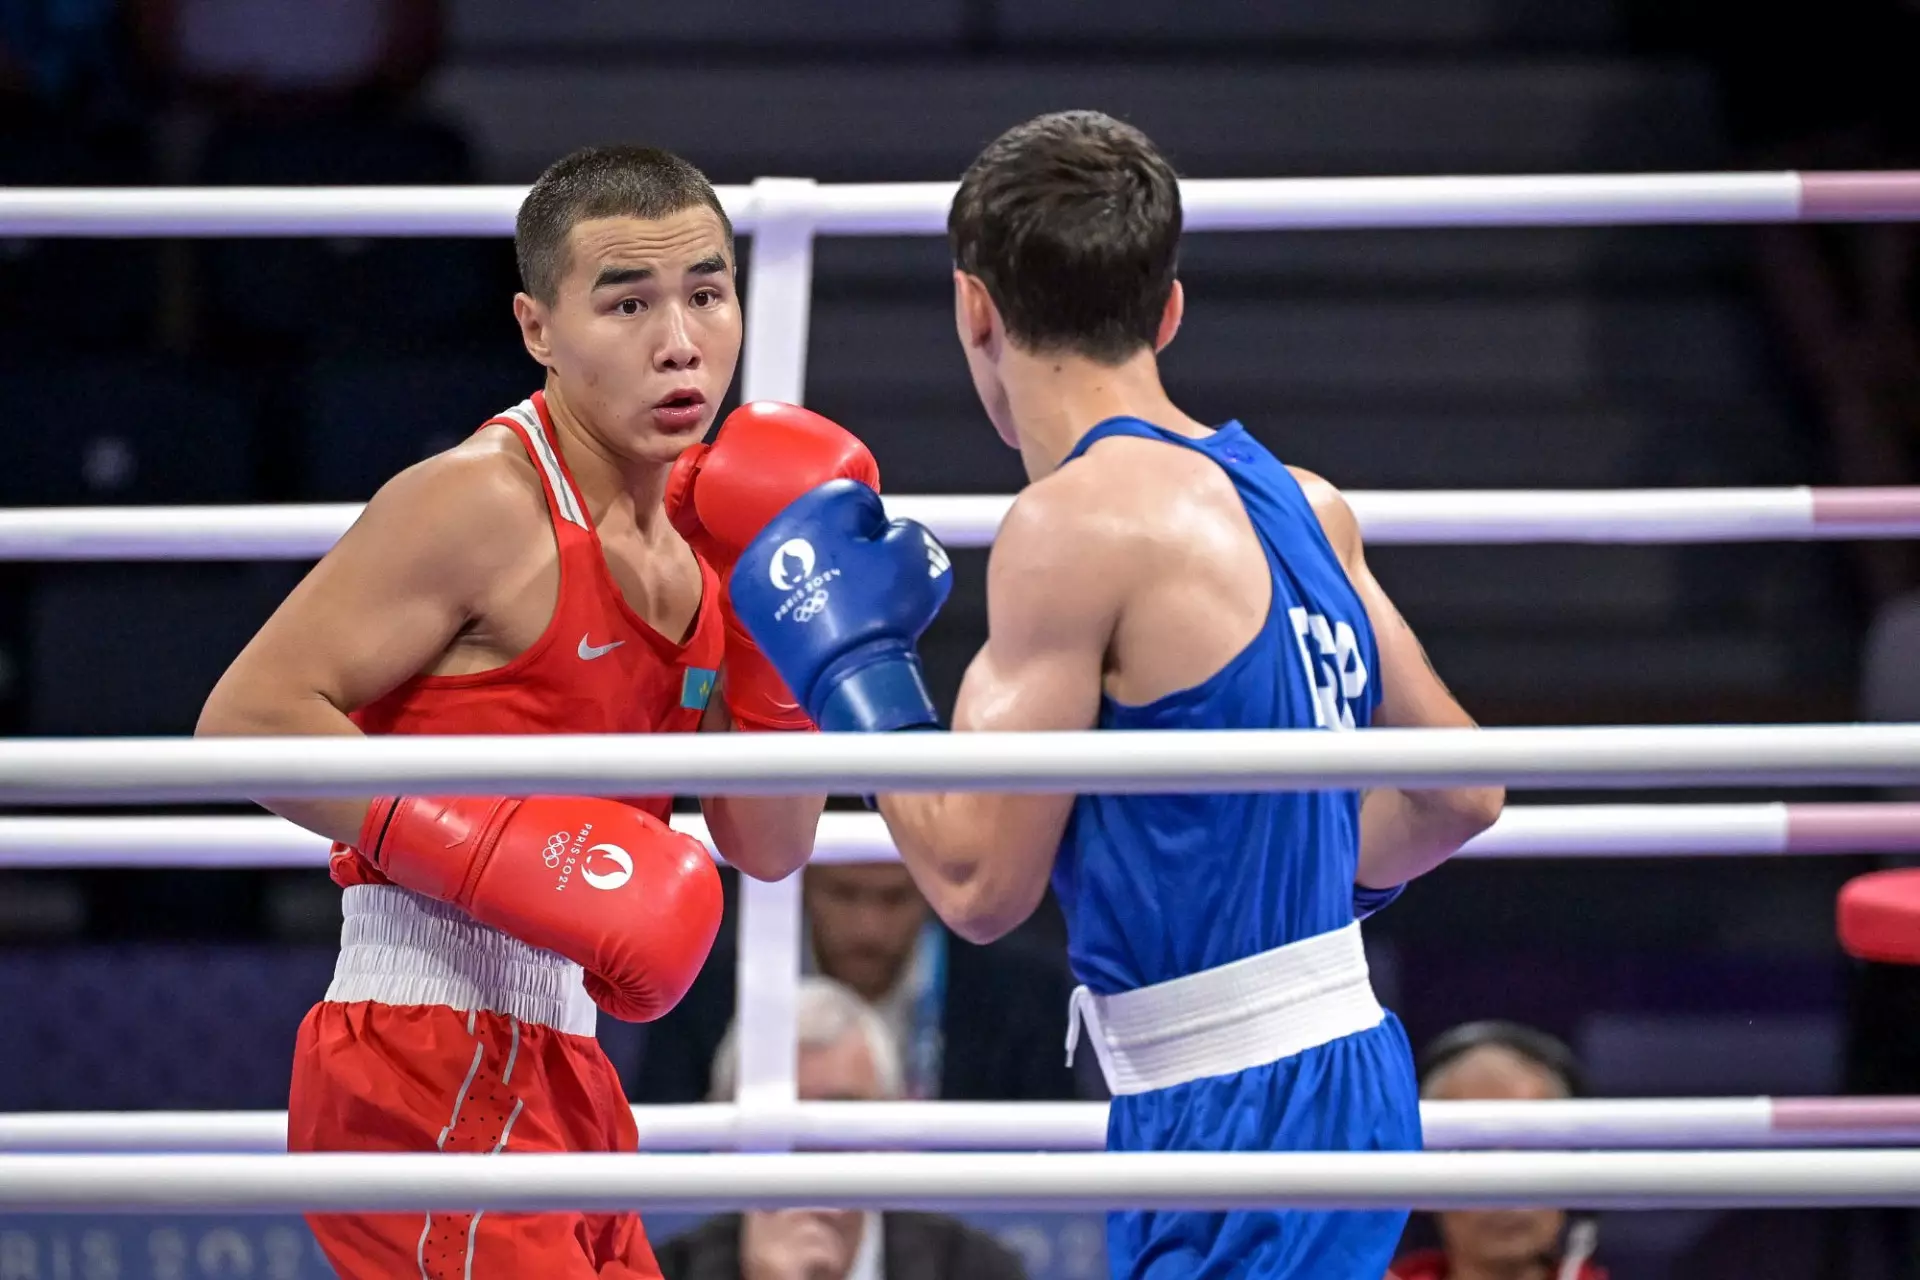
[
  {"x": 531, "y": 315},
  {"x": 974, "y": 314},
  {"x": 1170, "y": 317}
]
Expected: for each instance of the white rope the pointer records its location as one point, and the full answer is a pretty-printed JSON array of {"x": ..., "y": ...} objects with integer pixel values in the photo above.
[
  {"x": 1388, "y": 518},
  {"x": 1257, "y": 204},
  {"x": 179, "y": 770},
  {"x": 920, "y": 208},
  {"x": 1053, "y": 1182},
  {"x": 1063, "y": 1126},
  {"x": 1523, "y": 831}
]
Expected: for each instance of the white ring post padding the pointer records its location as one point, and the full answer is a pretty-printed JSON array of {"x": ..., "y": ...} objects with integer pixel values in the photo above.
[
  {"x": 180, "y": 770},
  {"x": 1050, "y": 1182},
  {"x": 1387, "y": 518},
  {"x": 774, "y": 367},
  {"x": 1523, "y": 831},
  {"x": 920, "y": 208},
  {"x": 1064, "y": 1126}
]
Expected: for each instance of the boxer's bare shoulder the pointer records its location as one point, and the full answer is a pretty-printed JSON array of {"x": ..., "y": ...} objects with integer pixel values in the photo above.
[
  {"x": 478, "y": 498},
  {"x": 464, "y": 516},
  {"x": 1071, "y": 529},
  {"x": 420, "y": 574},
  {"x": 1149, "y": 504},
  {"x": 1335, "y": 515},
  {"x": 1135, "y": 541}
]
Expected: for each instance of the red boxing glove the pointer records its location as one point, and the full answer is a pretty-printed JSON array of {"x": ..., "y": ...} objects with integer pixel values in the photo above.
[
  {"x": 615, "y": 890},
  {"x": 720, "y": 496}
]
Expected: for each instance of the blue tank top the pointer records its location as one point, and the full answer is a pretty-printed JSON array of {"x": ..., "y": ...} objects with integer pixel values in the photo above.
[{"x": 1158, "y": 886}]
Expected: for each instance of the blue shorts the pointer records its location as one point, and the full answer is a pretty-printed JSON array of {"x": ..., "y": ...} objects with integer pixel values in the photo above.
[{"x": 1355, "y": 1094}]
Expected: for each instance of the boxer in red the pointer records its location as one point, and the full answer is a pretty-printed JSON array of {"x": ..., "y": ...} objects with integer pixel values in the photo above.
[{"x": 561, "y": 571}]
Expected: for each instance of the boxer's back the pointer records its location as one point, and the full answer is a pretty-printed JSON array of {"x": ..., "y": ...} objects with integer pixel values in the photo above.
[{"x": 1159, "y": 886}]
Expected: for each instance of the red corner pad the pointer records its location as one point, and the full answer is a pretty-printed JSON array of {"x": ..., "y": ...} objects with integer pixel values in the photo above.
[{"x": 1879, "y": 916}]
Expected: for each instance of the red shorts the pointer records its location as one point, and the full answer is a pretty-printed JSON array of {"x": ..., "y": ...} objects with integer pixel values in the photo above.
[{"x": 381, "y": 1077}]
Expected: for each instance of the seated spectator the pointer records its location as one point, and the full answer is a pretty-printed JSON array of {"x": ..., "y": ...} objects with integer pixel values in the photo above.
[
  {"x": 967, "y": 1023},
  {"x": 845, "y": 1055},
  {"x": 1486, "y": 1061}
]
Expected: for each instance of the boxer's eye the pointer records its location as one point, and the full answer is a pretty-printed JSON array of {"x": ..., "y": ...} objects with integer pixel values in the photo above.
[
  {"x": 630, "y": 306},
  {"x": 706, "y": 297}
]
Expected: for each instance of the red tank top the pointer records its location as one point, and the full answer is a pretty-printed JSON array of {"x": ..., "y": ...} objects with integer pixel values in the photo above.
[{"x": 597, "y": 668}]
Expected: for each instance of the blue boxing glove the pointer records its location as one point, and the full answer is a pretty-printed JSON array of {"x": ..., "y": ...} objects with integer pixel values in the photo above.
[{"x": 836, "y": 596}]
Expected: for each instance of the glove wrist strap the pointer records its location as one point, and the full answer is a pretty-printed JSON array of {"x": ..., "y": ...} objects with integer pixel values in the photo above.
[
  {"x": 879, "y": 698},
  {"x": 373, "y": 828}
]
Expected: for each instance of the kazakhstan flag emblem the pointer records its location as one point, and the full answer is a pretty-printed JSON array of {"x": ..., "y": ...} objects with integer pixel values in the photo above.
[{"x": 696, "y": 686}]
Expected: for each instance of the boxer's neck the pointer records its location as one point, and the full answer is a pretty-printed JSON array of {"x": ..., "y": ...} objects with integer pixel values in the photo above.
[
  {"x": 608, "y": 482},
  {"x": 1054, "y": 400}
]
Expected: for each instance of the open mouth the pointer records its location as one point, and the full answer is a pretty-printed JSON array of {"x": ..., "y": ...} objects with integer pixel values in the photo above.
[{"x": 684, "y": 410}]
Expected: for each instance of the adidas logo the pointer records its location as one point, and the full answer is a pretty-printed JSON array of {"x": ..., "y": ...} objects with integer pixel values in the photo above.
[{"x": 938, "y": 562}]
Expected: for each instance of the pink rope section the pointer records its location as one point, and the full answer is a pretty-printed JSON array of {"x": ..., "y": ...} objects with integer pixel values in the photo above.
[
  {"x": 1866, "y": 508},
  {"x": 1867, "y": 1115},
  {"x": 1853, "y": 828},
  {"x": 1893, "y": 196}
]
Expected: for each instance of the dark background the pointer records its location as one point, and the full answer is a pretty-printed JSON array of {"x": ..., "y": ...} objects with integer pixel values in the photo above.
[{"x": 264, "y": 371}]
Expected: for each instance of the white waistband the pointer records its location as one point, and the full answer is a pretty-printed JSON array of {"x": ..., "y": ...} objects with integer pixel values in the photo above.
[
  {"x": 397, "y": 947},
  {"x": 1240, "y": 1015}
]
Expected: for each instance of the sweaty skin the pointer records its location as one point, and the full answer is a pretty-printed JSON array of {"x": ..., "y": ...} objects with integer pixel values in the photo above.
[
  {"x": 453, "y": 568},
  {"x": 1095, "y": 582}
]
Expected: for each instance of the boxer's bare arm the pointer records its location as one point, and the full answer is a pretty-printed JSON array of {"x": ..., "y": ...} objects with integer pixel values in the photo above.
[
  {"x": 766, "y": 837},
  {"x": 413, "y": 571},
  {"x": 1054, "y": 588},
  {"x": 1403, "y": 833}
]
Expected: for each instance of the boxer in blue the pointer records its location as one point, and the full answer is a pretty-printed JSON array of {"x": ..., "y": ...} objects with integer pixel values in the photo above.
[{"x": 1156, "y": 573}]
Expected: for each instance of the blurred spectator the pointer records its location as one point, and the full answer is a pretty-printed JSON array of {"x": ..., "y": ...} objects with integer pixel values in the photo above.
[
  {"x": 845, "y": 1055},
  {"x": 967, "y": 1022},
  {"x": 290, "y": 55},
  {"x": 1491, "y": 1061}
]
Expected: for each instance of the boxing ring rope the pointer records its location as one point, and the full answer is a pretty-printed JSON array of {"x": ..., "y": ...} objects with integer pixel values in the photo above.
[
  {"x": 1645, "y": 1123},
  {"x": 1538, "y": 831},
  {"x": 784, "y": 216},
  {"x": 1451, "y": 517},
  {"x": 1458, "y": 517},
  {"x": 186, "y": 770},
  {"x": 955, "y": 1182},
  {"x": 920, "y": 208}
]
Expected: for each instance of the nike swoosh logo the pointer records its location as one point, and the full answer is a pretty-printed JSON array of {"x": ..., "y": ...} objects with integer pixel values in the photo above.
[{"x": 588, "y": 652}]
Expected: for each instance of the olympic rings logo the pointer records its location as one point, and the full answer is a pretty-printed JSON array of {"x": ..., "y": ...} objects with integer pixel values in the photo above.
[
  {"x": 810, "y": 607},
  {"x": 556, "y": 848}
]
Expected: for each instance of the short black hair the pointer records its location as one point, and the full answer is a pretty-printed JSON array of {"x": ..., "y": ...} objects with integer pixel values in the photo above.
[
  {"x": 1072, "y": 221},
  {"x": 601, "y": 182},
  {"x": 1547, "y": 1052}
]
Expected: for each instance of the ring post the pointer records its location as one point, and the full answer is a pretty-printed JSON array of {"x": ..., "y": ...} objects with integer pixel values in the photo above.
[{"x": 773, "y": 367}]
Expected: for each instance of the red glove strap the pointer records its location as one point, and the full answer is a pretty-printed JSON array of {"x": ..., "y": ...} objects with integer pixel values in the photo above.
[
  {"x": 373, "y": 827},
  {"x": 397, "y": 828}
]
